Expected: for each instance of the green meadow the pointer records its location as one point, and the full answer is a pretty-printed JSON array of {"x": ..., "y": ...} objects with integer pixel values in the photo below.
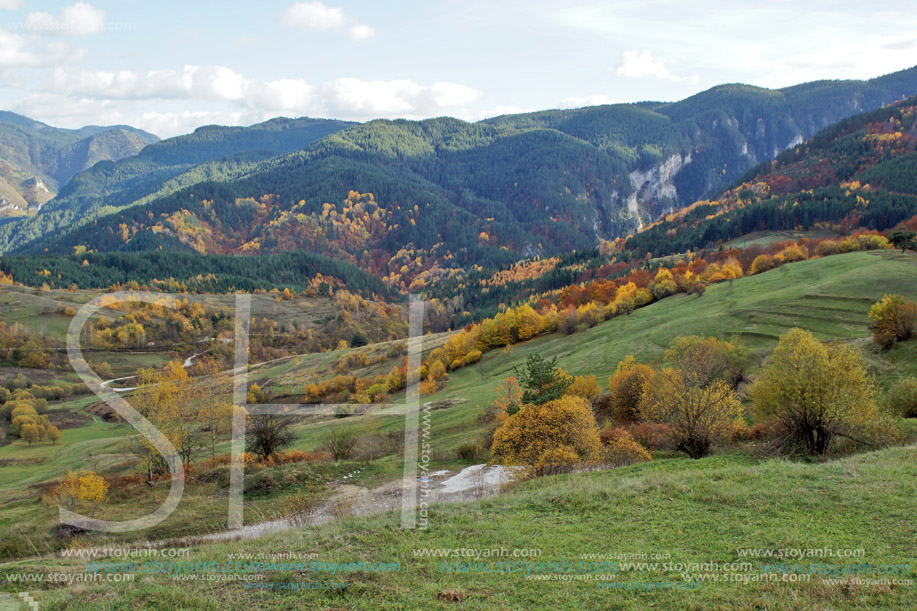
[{"x": 695, "y": 511}]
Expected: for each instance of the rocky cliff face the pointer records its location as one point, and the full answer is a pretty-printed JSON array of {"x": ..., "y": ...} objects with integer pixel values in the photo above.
[
  {"x": 723, "y": 150},
  {"x": 655, "y": 192},
  {"x": 36, "y": 160}
]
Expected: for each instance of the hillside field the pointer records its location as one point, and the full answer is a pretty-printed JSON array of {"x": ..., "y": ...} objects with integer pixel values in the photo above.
[
  {"x": 683, "y": 511},
  {"x": 830, "y": 296}
]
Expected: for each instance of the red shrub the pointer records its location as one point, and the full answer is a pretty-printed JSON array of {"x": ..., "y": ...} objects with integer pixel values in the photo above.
[{"x": 653, "y": 435}]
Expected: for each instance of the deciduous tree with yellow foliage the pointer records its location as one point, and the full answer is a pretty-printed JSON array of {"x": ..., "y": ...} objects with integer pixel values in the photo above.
[
  {"x": 691, "y": 396},
  {"x": 169, "y": 399},
  {"x": 893, "y": 320},
  {"x": 817, "y": 393}
]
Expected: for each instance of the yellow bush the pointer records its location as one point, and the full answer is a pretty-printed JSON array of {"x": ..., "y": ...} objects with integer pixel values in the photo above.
[
  {"x": 585, "y": 387},
  {"x": 849, "y": 245},
  {"x": 699, "y": 414},
  {"x": 561, "y": 459},
  {"x": 817, "y": 392},
  {"x": 90, "y": 487},
  {"x": 528, "y": 322},
  {"x": 663, "y": 284},
  {"x": 827, "y": 248},
  {"x": 589, "y": 314},
  {"x": 792, "y": 254},
  {"x": 642, "y": 297},
  {"x": 625, "y": 390},
  {"x": 472, "y": 357},
  {"x": 534, "y": 433},
  {"x": 624, "y": 450},
  {"x": 874, "y": 242},
  {"x": 437, "y": 370},
  {"x": 312, "y": 392},
  {"x": 893, "y": 317},
  {"x": 762, "y": 263}
]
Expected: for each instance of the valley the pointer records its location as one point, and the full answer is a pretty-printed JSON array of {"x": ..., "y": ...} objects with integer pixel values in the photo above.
[{"x": 653, "y": 354}]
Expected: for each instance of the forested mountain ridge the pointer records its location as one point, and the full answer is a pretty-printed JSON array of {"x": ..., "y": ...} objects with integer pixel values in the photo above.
[
  {"x": 37, "y": 159},
  {"x": 860, "y": 173},
  {"x": 857, "y": 174},
  {"x": 449, "y": 194},
  {"x": 209, "y": 153}
]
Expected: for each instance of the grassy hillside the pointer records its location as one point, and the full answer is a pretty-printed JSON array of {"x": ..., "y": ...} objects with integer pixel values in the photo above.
[
  {"x": 686, "y": 512},
  {"x": 830, "y": 296},
  {"x": 713, "y": 500}
]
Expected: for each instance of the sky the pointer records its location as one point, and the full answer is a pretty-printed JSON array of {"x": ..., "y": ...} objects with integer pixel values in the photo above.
[{"x": 170, "y": 67}]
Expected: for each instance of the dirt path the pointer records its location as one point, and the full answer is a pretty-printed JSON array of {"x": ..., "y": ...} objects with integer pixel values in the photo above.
[{"x": 470, "y": 484}]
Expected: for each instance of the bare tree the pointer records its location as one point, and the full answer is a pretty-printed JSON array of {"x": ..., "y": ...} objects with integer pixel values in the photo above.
[
  {"x": 341, "y": 441},
  {"x": 267, "y": 434}
]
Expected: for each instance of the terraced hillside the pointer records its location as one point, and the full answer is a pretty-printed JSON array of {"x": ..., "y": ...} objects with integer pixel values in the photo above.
[{"x": 829, "y": 296}]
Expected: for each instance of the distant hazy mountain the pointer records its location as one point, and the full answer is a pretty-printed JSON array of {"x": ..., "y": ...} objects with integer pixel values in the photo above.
[
  {"x": 450, "y": 192},
  {"x": 37, "y": 159}
]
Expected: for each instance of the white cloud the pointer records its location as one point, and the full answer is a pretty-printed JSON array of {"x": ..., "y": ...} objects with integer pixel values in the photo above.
[
  {"x": 10, "y": 5},
  {"x": 318, "y": 17},
  {"x": 641, "y": 64},
  {"x": 244, "y": 98},
  {"x": 81, "y": 19},
  {"x": 18, "y": 51},
  {"x": 360, "y": 32},
  {"x": 212, "y": 83},
  {"x": 863, "y": 59},
  {"x": 166, "y": 124},
  {"x": 596, "y": 99},
  {"x": 314, "y": 16},
  {"x": 496, "y": 111},
  {"x": 399, "y": 98},
  {"x": 350, "y": 96},
  {"x": 66, "y": 111}
]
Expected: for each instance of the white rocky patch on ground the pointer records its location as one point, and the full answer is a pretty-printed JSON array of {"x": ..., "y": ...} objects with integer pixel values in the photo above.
[
  {"x": 469, "y": 484},
  {"x": 471, "y": 479}
]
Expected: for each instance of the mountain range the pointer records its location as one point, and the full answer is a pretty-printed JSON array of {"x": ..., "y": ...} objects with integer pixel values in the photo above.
[
  {"x": 37, "y": 159},
  {"x": 407, "y": 199}
]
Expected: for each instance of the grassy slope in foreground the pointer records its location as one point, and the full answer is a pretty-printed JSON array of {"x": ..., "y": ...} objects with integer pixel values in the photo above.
[{"x": 703, "y": 511}]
